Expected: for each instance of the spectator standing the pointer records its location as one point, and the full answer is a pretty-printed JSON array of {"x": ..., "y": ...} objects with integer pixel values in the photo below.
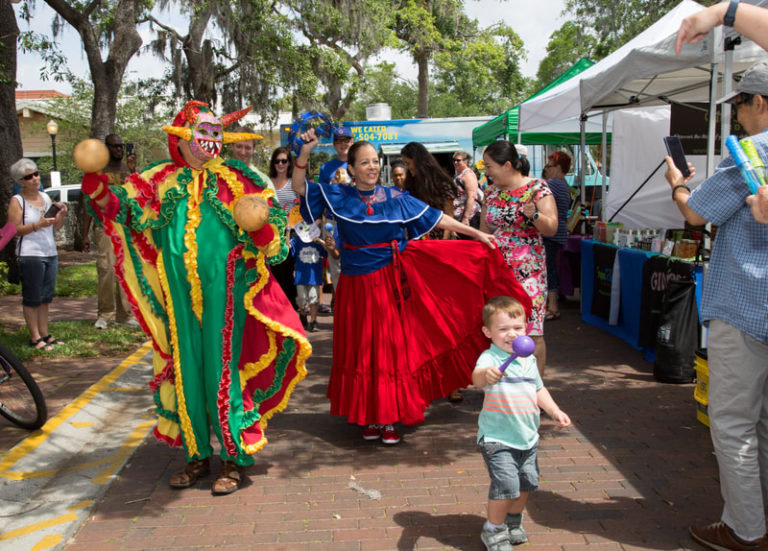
[
  {"x": 112, "y": 302},
  {"x": 280, "y": 171},
  {"x": 558, "y": 165},
  {"x": 735, "y": 308},
  {"x": 398, "y": 174},
  {"x": 519, "y": 211},
  {"x": 36, "y": 250},
  {"x": 467, "y": 204},
  {"x": 427, "y": 181}
]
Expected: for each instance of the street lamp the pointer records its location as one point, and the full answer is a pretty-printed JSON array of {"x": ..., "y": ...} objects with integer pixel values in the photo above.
[{"x": 53, "y": 129}]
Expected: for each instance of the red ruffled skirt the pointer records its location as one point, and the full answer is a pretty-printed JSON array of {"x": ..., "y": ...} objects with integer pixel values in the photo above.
[{"x": 411, "y": 332}]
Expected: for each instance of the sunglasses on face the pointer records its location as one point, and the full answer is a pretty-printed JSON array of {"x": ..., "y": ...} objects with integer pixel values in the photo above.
[
  {"x": 458, "y": 160},
  {"x": 30, "y": 176},
  {"x": 281, "y": 161}
]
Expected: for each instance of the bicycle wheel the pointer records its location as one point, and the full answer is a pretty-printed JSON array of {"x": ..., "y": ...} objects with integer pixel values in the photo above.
[{"x": 21, "y": 401}]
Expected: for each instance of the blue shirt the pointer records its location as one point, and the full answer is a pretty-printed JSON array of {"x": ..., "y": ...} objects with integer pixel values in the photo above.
[
  {"x": 309, "y": 262},
  {"x": 396, "y": 216},
  {"x": 510, "y": 413},
  {"x": 328, "y": 170},
  {"x": 736, "y": 284},
  {"x": 562, "y": 194}
]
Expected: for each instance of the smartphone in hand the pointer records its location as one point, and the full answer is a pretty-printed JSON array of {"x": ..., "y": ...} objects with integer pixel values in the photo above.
[
  {"x": 675, "y": 150},
  {"x": 52, "y": 211},
  {"x": 129, "y": 149}
]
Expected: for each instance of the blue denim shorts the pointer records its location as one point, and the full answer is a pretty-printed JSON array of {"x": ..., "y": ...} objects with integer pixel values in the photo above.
[
  {"x": 38, "y": 279},
  {"x": 512, "y": 471}
]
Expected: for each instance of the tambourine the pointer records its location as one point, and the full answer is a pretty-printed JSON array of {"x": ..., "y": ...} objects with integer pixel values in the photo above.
[{"x": 309, "y": 119}]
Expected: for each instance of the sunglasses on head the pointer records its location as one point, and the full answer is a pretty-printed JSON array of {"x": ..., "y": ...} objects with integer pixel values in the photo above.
[
  {"x": 30, "y": 176},
  {"x": 281, "y": 161}
]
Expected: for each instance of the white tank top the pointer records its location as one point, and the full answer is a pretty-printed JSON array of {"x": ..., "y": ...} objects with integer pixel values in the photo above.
[{"x": 40, "y": 242}]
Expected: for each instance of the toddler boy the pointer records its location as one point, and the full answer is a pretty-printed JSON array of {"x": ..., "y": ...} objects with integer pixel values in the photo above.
[
  {"x": 508, "y": 424},
  {"x": 308, "y": 250}
]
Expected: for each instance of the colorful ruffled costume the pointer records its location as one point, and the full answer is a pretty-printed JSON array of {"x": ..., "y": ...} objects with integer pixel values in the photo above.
[{"x": 228, "y": 347}]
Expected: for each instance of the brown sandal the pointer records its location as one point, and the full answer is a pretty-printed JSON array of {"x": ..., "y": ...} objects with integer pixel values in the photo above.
[
  {"x": 229, "y": 480},
  {"x": 192, "y": 471}
]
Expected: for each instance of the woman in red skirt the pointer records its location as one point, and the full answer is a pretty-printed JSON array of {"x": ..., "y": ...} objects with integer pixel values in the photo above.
[{"x": 403, "y": 335}]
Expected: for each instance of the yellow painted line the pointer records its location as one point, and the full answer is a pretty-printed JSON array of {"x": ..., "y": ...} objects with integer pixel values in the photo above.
[
  {"x": 33, "y": 441},
  {"x": 82, "y": 505},
  {"x": 48, "y": 542},
  {"x": 27, "y": 475},
  {"x": 126, "y": 449},
  {"x": 82, "y": 424},
  {"x": 126, "y": 389},
  {"x": 26, "y": 530}
]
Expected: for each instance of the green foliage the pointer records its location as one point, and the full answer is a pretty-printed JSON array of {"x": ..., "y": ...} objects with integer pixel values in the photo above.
[
  {"x": 78, "y": 280},
  {"x": 135, "y": 123},
  {"x": 5, "y": 287},
  {"x": 481, "y": 75},
  {"x": 566, "y": 46},
  {"x": 612, "y": 24},
  {"x": 80, "y": 338},
  {"x": 382, "y": 84}
]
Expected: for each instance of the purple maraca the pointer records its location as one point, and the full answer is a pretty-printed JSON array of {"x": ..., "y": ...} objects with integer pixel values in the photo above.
[{"x": 523, "y": 346}]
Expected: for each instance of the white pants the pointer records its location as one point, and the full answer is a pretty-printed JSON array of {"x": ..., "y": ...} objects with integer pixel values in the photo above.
[{"x": 738, "y": 413}]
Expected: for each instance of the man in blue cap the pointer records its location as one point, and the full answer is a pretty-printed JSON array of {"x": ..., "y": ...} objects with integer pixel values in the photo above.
[{"x": 342, "y": 141}]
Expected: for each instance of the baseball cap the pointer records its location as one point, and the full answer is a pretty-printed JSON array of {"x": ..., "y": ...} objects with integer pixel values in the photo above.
[
  {"x": 342, "y": 132},
  {"x": 753, "y": 81}
]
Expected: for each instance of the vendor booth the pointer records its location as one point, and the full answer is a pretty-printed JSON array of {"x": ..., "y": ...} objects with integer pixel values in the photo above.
[{"x": 645, "y": 72}]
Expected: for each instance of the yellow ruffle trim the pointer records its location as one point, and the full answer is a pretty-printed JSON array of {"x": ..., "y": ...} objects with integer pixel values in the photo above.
[
  {"x": 305, "y": 349},
  {"x": 190, "y": 254},
  {"x": 186, "y": 423},
  {"x": 235, "y": 185}
]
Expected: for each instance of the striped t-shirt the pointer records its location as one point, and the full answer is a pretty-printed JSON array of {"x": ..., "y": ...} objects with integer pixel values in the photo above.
[{"x": 510, "y": 412}]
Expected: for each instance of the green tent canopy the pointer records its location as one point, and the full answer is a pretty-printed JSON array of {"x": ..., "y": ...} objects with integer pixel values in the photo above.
[{"x": 506, "y": 123}]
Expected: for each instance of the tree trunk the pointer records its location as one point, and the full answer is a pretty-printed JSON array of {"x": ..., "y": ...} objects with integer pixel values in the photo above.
[
  {"x": 199, "y": 56},
  {"x": 10, "y": 137},
  {"x": 107, "y": 76},
  {"x": 422, "y": 62}
]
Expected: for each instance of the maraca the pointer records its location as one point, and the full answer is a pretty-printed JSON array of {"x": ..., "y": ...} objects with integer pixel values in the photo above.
[
  {"x": 329, "y": 227},
  {"x": 523, "y": 346},
  {"x": 91, "y": 155}
]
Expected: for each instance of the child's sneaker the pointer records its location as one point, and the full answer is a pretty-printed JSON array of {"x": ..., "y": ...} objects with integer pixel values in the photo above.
[
  {"x": 514, "y": 525},
  {"x": 389, "y": 435},
  {"x": 496, "y": 540},
  {"x": 372, "y": 432},
  {"x": 517, "y": 535}
]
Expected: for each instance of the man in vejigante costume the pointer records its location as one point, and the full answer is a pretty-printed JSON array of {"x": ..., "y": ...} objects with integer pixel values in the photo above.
[{"x": 192, "y": 238}]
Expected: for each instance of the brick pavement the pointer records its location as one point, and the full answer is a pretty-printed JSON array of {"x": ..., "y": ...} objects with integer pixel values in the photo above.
[{"x": 633, "y": 472}]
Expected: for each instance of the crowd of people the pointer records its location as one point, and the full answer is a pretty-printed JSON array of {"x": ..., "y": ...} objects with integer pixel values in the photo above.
[{"x": 425, "y": 273}]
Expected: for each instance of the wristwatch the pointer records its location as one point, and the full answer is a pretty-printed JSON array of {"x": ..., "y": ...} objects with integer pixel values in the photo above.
[
  {"x": 535, "y": 215},
  {"x": 730, "y": 13}
]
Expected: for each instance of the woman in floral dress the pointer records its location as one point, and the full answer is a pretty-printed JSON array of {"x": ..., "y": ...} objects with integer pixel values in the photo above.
[{"x": 518, "y": 211}]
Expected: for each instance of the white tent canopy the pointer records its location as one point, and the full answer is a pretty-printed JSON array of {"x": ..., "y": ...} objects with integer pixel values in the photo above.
[{"x": 645, "y": 71}]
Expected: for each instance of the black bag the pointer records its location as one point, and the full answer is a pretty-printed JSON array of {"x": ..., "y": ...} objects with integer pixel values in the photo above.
[
  {"x": 678, "y": 335},
  {"x": 14, "y": 274}
]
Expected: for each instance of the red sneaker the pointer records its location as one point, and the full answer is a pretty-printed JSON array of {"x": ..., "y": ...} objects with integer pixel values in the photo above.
[
  {"x": 389, "y": 435},
  {"x": 372, "y": 432}
]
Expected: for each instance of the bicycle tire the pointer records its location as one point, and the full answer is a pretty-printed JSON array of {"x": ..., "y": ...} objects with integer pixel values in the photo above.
[{"x": 21, "y": 401}]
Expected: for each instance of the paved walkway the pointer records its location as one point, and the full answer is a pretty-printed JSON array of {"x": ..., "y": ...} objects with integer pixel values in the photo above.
[{"x": 632, "y": 473}]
